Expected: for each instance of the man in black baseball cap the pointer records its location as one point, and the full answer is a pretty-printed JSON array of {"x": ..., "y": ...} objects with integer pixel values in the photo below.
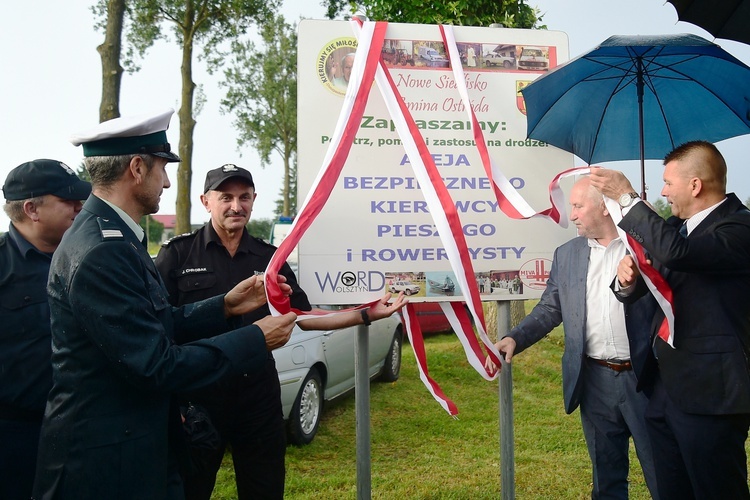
[
  {"x": 40, "y": 177},
  {"x": 215, "y": 177},
  {"x": 245, "y": 409},
  {"x": 42, "y": 199}
]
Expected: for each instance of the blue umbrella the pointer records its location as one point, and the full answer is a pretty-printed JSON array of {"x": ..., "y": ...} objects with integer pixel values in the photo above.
[{"x": 638, "y": 97}]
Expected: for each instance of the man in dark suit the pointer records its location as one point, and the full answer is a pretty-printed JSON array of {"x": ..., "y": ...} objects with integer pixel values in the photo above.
[
  {"x": 118, "y": 348},
  {"x": 699, "y": 413},
  {"x": 601, "y": 362}
]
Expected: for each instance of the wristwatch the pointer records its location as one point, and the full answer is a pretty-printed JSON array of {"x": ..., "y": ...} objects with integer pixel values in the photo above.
[{"x": 627, "y": 199}]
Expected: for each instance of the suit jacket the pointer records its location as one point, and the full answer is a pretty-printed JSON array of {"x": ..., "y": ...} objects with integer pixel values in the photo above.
[
  {"x": 116, "y": 360},
  {"x": 564, "y": 301},
  {"x": 709, "y": 273}
]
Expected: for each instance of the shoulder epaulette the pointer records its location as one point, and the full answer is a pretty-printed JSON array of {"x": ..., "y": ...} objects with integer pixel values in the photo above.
[
  {"x": 176, "y": 238},
  {"x": 110, "y": 230}
]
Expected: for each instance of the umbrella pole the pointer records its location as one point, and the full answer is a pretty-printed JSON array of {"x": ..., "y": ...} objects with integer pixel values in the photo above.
[{"x": 639, "y": 86}]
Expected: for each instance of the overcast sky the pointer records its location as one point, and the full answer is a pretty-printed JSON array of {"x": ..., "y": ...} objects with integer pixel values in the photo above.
[{"x": 51, "y": 86}]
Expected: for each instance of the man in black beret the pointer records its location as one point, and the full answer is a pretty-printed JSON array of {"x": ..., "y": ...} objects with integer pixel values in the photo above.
[{"x": 42, "y": 197}]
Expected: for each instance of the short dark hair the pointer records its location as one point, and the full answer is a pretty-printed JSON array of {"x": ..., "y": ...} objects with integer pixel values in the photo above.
[
  {"x": 683, "y": 150},
  {"x": 703, "y": 160}
]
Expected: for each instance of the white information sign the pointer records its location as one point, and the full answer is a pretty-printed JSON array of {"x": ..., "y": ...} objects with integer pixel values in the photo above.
[{"x": 375, "y": 232}]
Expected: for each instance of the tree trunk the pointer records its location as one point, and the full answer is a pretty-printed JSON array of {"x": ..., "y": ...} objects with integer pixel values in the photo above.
[
  {"x": 110, "y": 54},
  {"x": 287, "y": 178},
  {"x": 517, "y": 313},
  {"x": 187, "y": 126}
]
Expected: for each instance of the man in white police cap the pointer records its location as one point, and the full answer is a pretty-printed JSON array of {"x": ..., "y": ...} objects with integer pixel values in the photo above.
[
  {"x": 42, "y": 197},
  {"x": 118, "y": 348}
]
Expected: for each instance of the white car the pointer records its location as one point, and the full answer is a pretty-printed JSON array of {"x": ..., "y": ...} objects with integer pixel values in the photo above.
[
  {"x": 403, "y": 286},
  {"x": 499, "y": 59},
  {"x": 317, "y": 366}
]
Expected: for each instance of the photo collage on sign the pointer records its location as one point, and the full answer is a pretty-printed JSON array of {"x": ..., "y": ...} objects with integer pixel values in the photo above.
[{"x": 444, "y": 283}]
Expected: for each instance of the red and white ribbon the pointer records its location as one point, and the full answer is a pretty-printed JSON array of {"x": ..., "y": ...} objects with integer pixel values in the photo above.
[
  {"x": 656, "y": 283},
  {"x": 509, "y": 199},
  {"x": 368, "y": 66},
  {"x": 358, "y": 90}
]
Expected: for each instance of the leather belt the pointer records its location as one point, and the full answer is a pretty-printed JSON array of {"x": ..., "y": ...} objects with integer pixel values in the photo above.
[{"x": 618, "y": 366}]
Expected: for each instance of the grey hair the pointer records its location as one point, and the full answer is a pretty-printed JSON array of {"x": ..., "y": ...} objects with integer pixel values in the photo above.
[
  {"x": 106, "y": 170},
  {"x": 14, "y": 209}
]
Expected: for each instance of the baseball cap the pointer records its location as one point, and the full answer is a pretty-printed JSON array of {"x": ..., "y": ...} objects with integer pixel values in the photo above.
[
  {"x": 137, "y": 134},
  {"x": 215, "y": 177},
  {"x": 40, "y": 177}
]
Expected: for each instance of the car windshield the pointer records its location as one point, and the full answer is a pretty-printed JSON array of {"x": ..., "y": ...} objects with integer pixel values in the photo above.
[{"x": 532, "y": 52}]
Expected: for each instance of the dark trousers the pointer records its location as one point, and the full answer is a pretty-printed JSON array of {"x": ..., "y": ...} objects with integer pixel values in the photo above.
[
  {"x": 697, "y": 456},
  {"x": 19, "y": 442},
  {"x": 611, "y": 413},
  {"x": 247, "y": 412},
  {"x": 258, "y": 467}
]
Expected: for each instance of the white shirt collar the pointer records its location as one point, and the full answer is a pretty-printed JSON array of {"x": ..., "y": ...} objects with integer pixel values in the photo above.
[
  {"x": 133, "y": 225},
  {"x": 696, "y": 219}
]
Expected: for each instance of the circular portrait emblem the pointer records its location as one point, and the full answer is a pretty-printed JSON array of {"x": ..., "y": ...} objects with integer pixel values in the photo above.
[{"x": 334, "y": 64}]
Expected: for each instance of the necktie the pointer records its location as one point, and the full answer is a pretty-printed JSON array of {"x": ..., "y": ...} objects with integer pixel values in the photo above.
[{"x": 683, "y": 230}]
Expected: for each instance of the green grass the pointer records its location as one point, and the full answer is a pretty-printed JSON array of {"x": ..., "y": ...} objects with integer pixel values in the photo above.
[{"x": 419, "y": 452}]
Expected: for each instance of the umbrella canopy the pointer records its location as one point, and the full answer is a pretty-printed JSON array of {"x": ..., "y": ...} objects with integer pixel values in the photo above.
[
  {"x": 638, "y": 97},
  {"x": 727, "y": 19}
]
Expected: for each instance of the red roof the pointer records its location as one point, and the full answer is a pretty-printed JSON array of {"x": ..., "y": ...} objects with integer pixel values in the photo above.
[{"x": 169, "y": 220}]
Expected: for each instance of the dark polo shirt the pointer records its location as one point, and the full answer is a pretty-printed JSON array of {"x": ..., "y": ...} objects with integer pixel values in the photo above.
[
  {"x": 196, "y": 266},
  {"x": 25, "y": 338}
]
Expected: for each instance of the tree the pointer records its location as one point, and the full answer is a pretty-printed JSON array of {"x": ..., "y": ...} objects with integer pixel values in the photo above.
[
  {"x": 291, "y": 193},
  {"x": 262, "y": 95},
  {"x": 212, "y": 23},
  {"x": 153, "y": 228},
  {"x": 82, "y": 173},
  {"x": 111, "y": 14},
  {"x": 662, "y": 208},
  {"x": 509, "y": 13},
  {"x": 260, "y": 228}
]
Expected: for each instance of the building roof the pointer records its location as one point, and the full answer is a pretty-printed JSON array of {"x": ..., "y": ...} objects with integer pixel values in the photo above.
[{"x": 169, "y": 220}]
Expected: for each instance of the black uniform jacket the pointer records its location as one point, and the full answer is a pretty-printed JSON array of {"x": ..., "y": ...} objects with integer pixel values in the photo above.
[
  {"x": 118, "y": 350},
  {"x": 709, "y": 273}
]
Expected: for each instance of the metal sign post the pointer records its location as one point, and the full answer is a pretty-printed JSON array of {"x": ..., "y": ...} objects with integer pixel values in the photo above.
[
  {"x": 362, "y": 412},
  {"x": 507, "y": 458}
]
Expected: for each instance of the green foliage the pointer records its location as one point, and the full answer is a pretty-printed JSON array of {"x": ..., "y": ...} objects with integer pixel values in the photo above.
[
  {"x": 262, "y": 96},
  {"x": 154, "y": 229},
  {"x": 260, "y": 228},
  {"x": 292, "y": 195},
  {"x": 262, "y": 90},
  {"x": 662, "y": 208},
  {"x": 82, "y": 173},
  {"x": 210, "y": 23},
  {"x": 509, "y": 13}
]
